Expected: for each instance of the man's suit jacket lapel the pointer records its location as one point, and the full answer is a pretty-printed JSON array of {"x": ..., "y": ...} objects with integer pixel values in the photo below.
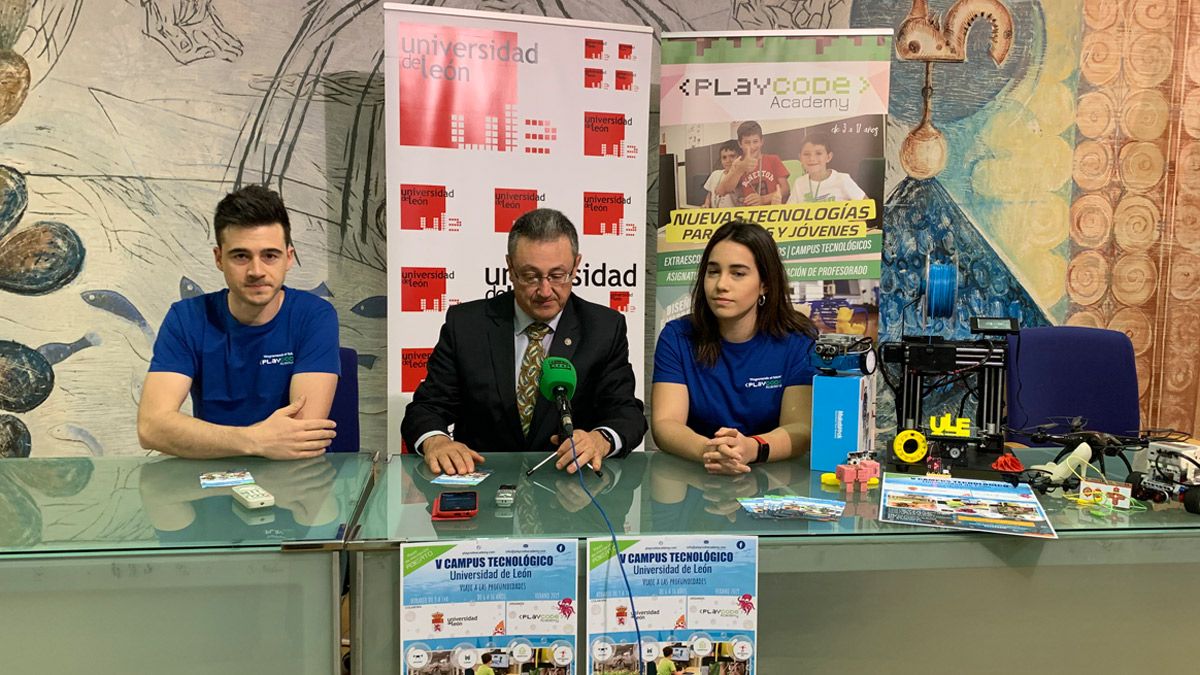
[
  {"x": 500, "y": 337},
  {"x": 566, "y": 339}
]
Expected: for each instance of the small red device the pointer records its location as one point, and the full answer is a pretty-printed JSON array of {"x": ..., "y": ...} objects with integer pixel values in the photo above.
[{"x": 456, "y": 506}]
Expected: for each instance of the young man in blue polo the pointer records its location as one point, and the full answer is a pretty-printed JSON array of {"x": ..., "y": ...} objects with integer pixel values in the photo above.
[{"x": 259, "y": 359}]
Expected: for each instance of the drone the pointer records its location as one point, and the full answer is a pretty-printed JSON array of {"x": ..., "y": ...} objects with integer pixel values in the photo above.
[{"x": 1081, "y": 447}]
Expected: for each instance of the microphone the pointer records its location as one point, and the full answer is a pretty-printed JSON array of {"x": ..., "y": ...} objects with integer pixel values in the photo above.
[{"x": 558, "y": 385}]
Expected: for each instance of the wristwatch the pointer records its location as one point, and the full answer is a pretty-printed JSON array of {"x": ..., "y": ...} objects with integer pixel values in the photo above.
[
  {"x": 764, "y": 450},
  {"x": 612, "y": 442}
]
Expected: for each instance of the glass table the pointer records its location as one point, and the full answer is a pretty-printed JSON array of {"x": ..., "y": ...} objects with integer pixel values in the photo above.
[
  {"x": 852, "y": 595},
  {"x": 120, "y": 565}
]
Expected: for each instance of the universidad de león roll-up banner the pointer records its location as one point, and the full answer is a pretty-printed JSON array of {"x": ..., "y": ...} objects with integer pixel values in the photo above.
[
  {"x": 510, "y": 599},
  {"x": 697, "y": 595},
  {"x": 492, "y": 115},
  {"x": 793, "y": 125}
]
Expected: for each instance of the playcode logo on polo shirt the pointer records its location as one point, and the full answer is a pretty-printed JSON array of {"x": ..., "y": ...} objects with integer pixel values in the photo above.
[{"x": 280, "y": 359}]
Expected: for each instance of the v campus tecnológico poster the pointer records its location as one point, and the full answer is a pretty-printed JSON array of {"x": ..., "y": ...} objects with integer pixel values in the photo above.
[
  {"x": 786, "y": 131},
  {"x": 697, "y": 595},
  {"x": 514, "y": 599},
  {"x": 961, "y": 504}
]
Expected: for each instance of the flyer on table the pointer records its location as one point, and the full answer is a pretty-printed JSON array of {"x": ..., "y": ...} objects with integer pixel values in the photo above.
[
  {"x": 509, "y": 603},
  {"x": 786, "y": 131},
  {"x": 961, "y": 504},
  {"x": 697, "y": 595}
]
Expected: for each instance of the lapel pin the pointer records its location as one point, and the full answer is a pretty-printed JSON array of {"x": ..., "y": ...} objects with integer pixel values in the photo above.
[{"x": 567, "y": 342}]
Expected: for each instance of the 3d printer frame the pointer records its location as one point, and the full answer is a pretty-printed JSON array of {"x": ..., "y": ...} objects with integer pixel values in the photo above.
[{"x": 930, "y": 363}]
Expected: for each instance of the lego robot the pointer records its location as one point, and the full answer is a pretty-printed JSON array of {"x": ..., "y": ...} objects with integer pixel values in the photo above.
[{"x": 1170, "y": 471}]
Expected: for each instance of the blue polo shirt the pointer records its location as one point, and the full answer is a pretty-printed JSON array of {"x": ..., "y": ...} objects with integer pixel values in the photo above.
[
  {"x": 241, "y": 374},
  {"x": 744, "y": 389}
]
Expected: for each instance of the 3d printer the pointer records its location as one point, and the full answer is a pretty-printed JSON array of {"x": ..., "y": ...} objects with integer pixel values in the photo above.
[{"x": 928, "y": 364}]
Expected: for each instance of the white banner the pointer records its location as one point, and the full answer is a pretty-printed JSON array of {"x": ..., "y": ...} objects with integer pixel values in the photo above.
[
  {"x": 490, "y": 116},
  {"x": 507, "y": 602},
  {"x": 697, "y": 595}
]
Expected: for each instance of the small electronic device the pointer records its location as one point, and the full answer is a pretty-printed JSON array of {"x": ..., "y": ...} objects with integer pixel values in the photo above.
[
  {"x": 680, "y": 653},
  {"x": 252, "y": 496},
  {"x": 499, "y": 661},
  {"x": 506, "y": 495},
  {"x": 838, "y": 353},
  {"x": 456, "y": 506},
  {"x": 994, "y": 325}
]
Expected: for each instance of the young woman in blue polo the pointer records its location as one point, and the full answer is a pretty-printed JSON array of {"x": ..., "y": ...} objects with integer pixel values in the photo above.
[{"x": 732, "y": 381}]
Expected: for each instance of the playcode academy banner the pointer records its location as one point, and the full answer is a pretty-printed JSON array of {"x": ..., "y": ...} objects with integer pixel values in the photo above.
[
  {"x": 784, "y": 130},
  {"x": 492, "y": 115}
]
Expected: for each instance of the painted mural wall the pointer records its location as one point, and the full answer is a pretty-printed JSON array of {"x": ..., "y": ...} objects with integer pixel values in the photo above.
[{"x": 1059, "y": 158}]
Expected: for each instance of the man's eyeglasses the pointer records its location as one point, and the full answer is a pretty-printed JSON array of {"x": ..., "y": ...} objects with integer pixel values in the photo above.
[{"x": 535, "y": 279}]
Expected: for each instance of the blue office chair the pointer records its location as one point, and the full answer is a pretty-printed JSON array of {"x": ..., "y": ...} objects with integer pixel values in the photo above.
[
  {"x": 344, "y": 410},
  {"x": 1068, "y": 371}
]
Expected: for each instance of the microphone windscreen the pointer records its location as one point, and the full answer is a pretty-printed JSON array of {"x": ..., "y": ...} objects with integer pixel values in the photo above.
[{"x": 557, "y": 372}]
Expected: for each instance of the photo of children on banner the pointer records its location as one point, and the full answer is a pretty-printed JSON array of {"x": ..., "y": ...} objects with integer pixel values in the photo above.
[
  {"x": 777, "y": 162},
  {"x": 785, "y": 164},
  {"x": 716, "y": 198},
  {"x": 676, "y": 655},
  {"x": 756, "y": 178},
  {"x": 819, "y": 182}
]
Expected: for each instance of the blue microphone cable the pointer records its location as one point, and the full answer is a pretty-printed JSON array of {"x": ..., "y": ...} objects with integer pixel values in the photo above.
[{"x": 616, "y": 551}]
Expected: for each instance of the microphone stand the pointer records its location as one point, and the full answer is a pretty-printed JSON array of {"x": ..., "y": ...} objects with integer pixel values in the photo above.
[{"x": 564, "y": 413}]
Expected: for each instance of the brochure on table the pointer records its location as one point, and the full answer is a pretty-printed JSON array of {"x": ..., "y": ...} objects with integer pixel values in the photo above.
[
  {"x": 512, "y": 599},
  {"x": 960, "y": 504},
  {"x": 696, "y": 594}
]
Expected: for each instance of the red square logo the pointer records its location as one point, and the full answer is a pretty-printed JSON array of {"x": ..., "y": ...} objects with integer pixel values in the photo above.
[
  {"x": 619, "y": 300},
  {"x": 603, "y": 212},
  {"x": 454, "y": 94},
  {"x": 422, "y": 207},
  {"x": 624, "y": 80},
  {"x": 593, "y": 78},
  {"x": 604, "y": 134},
  {"x": 512, "y": 203},
  {"x": 624, "y": 51},
  {"x": 423, "y": 289},
  {"x": 413, "y": 364},
  {"x": 593, "y": 48}
]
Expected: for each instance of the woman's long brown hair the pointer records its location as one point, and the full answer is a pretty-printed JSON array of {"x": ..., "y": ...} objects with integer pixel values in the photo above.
[{"x": 775, "y": 316}]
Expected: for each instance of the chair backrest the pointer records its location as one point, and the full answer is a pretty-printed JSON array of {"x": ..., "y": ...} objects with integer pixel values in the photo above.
[
  {"x": 344, "y": 410},
  {"x": 1068, "y": 371}
]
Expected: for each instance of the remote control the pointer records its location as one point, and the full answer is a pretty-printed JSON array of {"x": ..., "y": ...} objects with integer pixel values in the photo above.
[{"x": 252, "y": 496}]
